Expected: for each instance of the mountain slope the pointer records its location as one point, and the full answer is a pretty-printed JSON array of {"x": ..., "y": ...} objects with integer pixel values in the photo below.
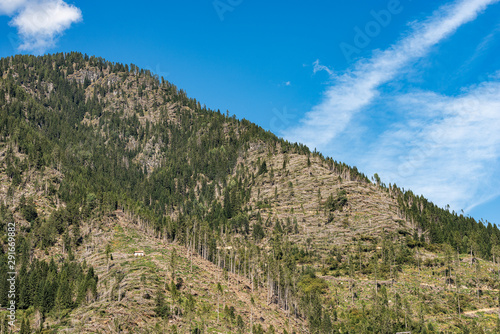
[{"x": 101, "y": 159}]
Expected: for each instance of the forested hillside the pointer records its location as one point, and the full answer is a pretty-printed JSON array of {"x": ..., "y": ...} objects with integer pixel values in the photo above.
[{"x": 242, "y": 231}]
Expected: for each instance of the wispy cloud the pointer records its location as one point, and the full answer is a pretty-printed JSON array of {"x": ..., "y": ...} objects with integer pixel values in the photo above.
[
  {"x": 357, "y": 88},
  {"x": 318, "y": 67},
  {"x": 39, "y": 22},
  {"x": 444, "y": 147},
  {"x": 480, "y": 50}
]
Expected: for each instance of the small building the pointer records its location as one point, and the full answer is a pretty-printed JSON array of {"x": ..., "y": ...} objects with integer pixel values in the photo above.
[{"x": 139, "y": 253}]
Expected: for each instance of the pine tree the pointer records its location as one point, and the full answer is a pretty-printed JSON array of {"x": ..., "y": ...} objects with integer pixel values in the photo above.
[
  {"x": 64, "y": 296},
  {"x": 161, "y": 308},
  {"x": 219, "y": 292},
  {"x": 25, "y": 327}
]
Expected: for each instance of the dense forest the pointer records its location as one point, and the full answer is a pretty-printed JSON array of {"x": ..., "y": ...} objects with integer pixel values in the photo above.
[{"x": 123, "y": 139}]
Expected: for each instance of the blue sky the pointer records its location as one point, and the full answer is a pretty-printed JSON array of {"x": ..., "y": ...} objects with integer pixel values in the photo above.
[{"x": 406, "y": 89}]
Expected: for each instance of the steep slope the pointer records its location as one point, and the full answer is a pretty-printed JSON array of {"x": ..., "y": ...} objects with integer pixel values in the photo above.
[
  {"x": 299, "y": 193},
  {"x": 130, "y": 287},
  {"x": 101, "y": 159}
]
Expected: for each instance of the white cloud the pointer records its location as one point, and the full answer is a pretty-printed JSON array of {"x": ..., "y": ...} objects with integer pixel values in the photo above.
[
  {"x": 40, "y": 22},
  {"x": 7, "y": 7},
  {"x": 318, "y": 67},
  {"x": 357, "y": 88},
  {"x": 480, "y": 49},
  {"x": 447, "y": 148}
]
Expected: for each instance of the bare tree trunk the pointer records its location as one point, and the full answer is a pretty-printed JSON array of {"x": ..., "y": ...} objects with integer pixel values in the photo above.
[
  {"x": 471, "y": 257},
  {"x": 477, "y": 280},
  {"x": 251, "y": 318}
]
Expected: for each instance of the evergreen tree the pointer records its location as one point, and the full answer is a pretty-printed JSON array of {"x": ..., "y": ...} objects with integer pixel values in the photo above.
[{"x": 161, "y": 307}]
